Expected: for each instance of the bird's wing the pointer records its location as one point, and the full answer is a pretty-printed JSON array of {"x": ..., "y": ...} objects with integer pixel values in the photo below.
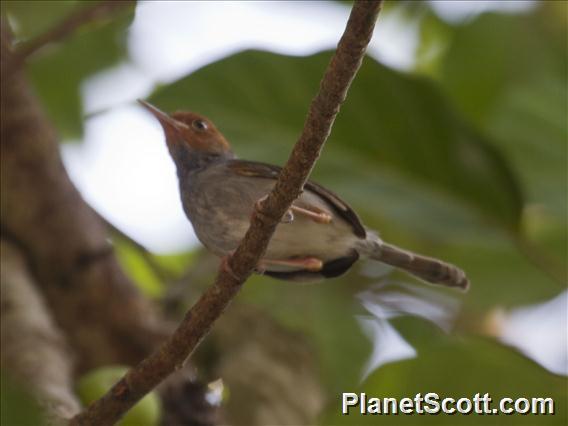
[{"x": 268, "y": 171}]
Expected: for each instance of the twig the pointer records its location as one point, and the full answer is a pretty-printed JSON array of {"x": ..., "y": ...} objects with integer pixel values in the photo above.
[
  {"x": 233, "y": 272},
  {"x": 82, "y": 16}
]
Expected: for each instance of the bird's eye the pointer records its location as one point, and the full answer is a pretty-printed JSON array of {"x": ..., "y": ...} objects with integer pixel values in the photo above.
[{"x": 199, "y": 125}]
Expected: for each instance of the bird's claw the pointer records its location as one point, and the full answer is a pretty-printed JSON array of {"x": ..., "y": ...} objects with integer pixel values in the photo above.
[
  {"x": 225, "y": 266},
  {"x": 286, "y": 219}
]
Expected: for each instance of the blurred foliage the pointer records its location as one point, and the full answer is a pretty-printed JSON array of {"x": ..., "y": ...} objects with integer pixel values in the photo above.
[
  {"x": 139, "y": 270},
  {"x": 17, "y": 406},
  {"x": 150, "y": 271},
  {"x": 58, "y": 71},
  {"x": 463, "y": 159},
  {"x": 517, "y": 94}
]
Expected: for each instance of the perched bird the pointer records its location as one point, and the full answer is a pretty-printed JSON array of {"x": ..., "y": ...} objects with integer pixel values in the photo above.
[{"x": 319, "y": 237}]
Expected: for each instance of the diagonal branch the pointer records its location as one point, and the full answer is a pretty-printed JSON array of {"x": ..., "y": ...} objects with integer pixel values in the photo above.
[
  {"x": 234, "y": 271},
  {"x": 84, "y": 15}
]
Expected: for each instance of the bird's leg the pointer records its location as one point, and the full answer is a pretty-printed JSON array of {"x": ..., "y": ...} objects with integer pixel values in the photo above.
[
  {"x": 316, "y": 214},
  {"x": 312, "y": 264}
]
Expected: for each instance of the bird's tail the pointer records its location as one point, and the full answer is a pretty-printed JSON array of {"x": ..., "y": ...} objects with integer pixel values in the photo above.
[{"x": 426, "y": 268}]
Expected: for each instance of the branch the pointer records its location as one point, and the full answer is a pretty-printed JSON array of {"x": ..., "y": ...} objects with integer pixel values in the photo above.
[
  {"x": 69, "y": 25},
  {"x": 232, "y": 273}
]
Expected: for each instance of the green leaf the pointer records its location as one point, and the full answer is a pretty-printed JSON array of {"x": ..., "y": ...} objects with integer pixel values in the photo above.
[
  {"x": 508, "y": 74},
  {"x": 138, "y": 269},
  {"x": 397, "y": 124},
  {"x": 482, "y": 63},
  {"x": 18, "y": 406},
  {"x": 457, "y": 368}
]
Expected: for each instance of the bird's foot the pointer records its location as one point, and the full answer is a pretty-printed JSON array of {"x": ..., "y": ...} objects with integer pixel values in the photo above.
[
  {"x": 314, "y": 213},
  {"x": 287, "y": 218},
  {"x": 225, "y": 266},
  {"x": 311, "y": 264}
]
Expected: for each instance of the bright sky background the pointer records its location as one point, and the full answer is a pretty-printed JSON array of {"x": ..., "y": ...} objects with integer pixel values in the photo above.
[{"x": 122, "y": 166}]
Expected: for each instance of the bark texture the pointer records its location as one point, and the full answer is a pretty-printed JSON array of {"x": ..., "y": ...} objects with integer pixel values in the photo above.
[{"x": 31, "y": 340}]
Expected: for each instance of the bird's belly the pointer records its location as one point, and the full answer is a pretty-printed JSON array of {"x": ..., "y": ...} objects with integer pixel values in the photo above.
[
  {"x": 306, "y": 238},
  {"x": 218, "y": 232},
  {"x": 221, "y": 212},
  {"x": 222, "y": 233}
]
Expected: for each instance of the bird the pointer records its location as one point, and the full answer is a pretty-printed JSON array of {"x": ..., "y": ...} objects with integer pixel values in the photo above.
[{"x": 319, "y": 237}]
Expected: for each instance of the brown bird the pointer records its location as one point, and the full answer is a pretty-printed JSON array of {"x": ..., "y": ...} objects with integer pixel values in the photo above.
[{"x": 319, "y": 237}]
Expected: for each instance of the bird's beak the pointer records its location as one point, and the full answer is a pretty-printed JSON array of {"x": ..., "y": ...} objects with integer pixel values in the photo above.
[{"x": 171, "y": 126}]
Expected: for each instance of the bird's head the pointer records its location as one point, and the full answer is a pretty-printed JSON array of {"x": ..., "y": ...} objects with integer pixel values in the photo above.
[{"x": 191, "y": 137}]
